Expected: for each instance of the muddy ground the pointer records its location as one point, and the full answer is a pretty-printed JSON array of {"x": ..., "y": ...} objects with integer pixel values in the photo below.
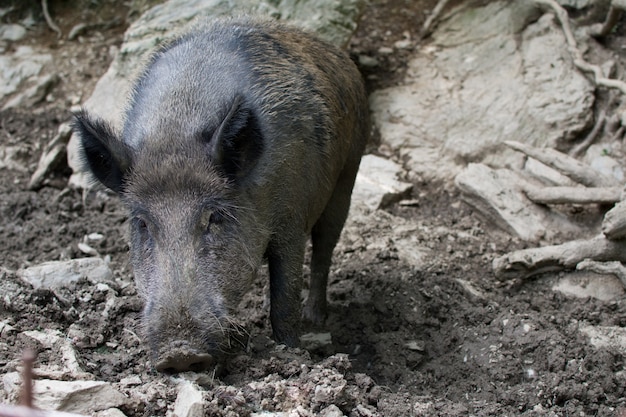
[{"x": 405, "y": 340}]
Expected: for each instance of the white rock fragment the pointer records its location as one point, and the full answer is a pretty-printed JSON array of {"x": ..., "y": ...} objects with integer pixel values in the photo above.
[
  {"x": 82, "y": 397},
  {"x": 612, "y": 337},
  {"x": 189, "y": 401},
  {"x": 377, "y": 184},
  {"x": 24, "y": 64},
  {"x": 110, "y": 412},
  {"x": 6, "y": 329},
  {"x": 76, "y": 396},
  {"x": 131, "y": 380},
  {"x": 584, "y": 284},
  {"x": 86, "y": 249},
  {"x": 67, "y": 364},
  {"x": 331, "y": 411},
  {"x": 57, "y": 274},
  {"x": 313, "y": 341},
  {"x": 12, "y": 32}
]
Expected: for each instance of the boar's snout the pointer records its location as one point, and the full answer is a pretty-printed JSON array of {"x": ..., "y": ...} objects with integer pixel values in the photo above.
[{"x": 180, "y": 357}]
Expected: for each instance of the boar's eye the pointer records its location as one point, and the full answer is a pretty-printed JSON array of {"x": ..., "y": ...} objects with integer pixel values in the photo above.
[
  {"x": 211, "y": 221},
  {"x": 141, "y": 226}
]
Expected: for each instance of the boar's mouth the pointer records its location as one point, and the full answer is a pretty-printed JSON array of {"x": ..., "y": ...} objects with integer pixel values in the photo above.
[{"x": 205, "y": 350}]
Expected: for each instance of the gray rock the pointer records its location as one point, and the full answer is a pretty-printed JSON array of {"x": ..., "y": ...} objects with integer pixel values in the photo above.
[
  {"x": 12, "y": 32},
  {"x": 377, "y": 184},
  {"x": 331, "y": 19},
  {"x": 70, "y": 396},
  {"x": 110, "y": 412},
  {"x": 189, "y": 401},
  {"x": 606, "y": 337},
  {"x": 35, "y": 93},
  {"x": 585, "y": 284},
  {"x": 486, "y": 77},
  {"x": 56, "y": 274},
  {"x": 24, "y": 64}
]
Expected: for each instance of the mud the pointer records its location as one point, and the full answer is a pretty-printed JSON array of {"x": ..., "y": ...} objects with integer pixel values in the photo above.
[{"x": 444, "y": 339}]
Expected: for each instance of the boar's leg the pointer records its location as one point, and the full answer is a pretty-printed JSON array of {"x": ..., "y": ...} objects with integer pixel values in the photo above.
[
  {"x": 324, "y": 237},
  {"x": 285, "y": 267}
]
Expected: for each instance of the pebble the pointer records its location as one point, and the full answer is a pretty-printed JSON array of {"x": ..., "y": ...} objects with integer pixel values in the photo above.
[{"x": 12, "y": 32}]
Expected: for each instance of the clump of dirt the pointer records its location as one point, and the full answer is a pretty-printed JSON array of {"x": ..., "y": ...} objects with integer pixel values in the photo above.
[{"x": 445, "y": 339}]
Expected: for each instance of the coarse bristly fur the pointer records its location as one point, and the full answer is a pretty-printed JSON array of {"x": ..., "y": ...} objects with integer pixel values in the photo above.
[{"x": 241, "y": 139}]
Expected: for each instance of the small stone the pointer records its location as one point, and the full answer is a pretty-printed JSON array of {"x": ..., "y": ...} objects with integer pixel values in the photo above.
[
  {"x": 110, "y": 412},
  {"x": 331, "y": 411},
  {"x": 189, "y": 401},
  {"x": 415, "y": 345},
  {"x": 377, "y": 184},
  {"x": 368, "y": 61},
  {"x": 131, "y": 380},
  {"x": 12, "y": 32},
  {"x": 603, "y": 337},
  {"x": 313, "y": 341},
  {"x": 403, "y": 44},
  {"x": 57, "y": 274}
]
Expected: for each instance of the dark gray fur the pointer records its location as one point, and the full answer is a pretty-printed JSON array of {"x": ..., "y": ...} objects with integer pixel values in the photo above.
[{"x": 241, "y": 140}]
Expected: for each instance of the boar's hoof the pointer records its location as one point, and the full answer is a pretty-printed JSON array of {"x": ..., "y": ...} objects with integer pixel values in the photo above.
[{"x": 182, "y": 360}]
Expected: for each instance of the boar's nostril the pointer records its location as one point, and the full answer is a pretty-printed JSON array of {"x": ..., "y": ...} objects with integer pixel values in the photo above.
[{"x": 181, "y": 360}]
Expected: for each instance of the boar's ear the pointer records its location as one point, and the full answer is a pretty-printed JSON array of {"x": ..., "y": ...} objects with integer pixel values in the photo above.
[
  {"x": 237, "y": 143},
  {"x": 103, "y": 153}
]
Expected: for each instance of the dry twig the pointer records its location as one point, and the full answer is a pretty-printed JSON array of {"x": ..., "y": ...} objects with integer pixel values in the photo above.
[
  {"x": 582, "y": 146},
  {"x": 577, "y": 56},
  {"x": 528, "y": 262},
  {"x": 566, "y": 165},
  {"x": 46, "y": 14},
  {"x": 434, "y": 15},
  {"x": 574, "y": 195}
]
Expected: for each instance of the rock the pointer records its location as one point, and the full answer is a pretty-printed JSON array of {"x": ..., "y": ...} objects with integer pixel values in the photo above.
[
  {"x": 76, "y": 396},
  {"x": 584, "y": 284},
  {"x": 23, "y": 64},
  {"x": 110, "y": 412},
  {"x": 83, "y": 397},
  {"x": 34, "y": 94},
  {"x": 368, "y": 61},
  {"x": 56, "y": 274},
  {"x": 6, "y": 329},
  {"x": 66, "y": 364},
  {"x": 487, "y": 76},
  {"x": 51, "y": 156},
  {"x": 331, "y": 411},
  {"x": 377, "y": 183},
  {"x": 496, "y": 195},
  {"x": 599, "y": 157},
  {"x": 14, "y": 158},
  {"x": 12, "y": 32},
  {"x": 409, "y": 249},
  {"x": 331, "y": 19},
  {"x": 315, "y": 341},
  {"x": 607, "y": 337},
  {"x": 189, "y": 401}
]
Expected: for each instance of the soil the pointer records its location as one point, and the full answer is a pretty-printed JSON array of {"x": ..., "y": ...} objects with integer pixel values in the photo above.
[{"x": 443, "y": 340}]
